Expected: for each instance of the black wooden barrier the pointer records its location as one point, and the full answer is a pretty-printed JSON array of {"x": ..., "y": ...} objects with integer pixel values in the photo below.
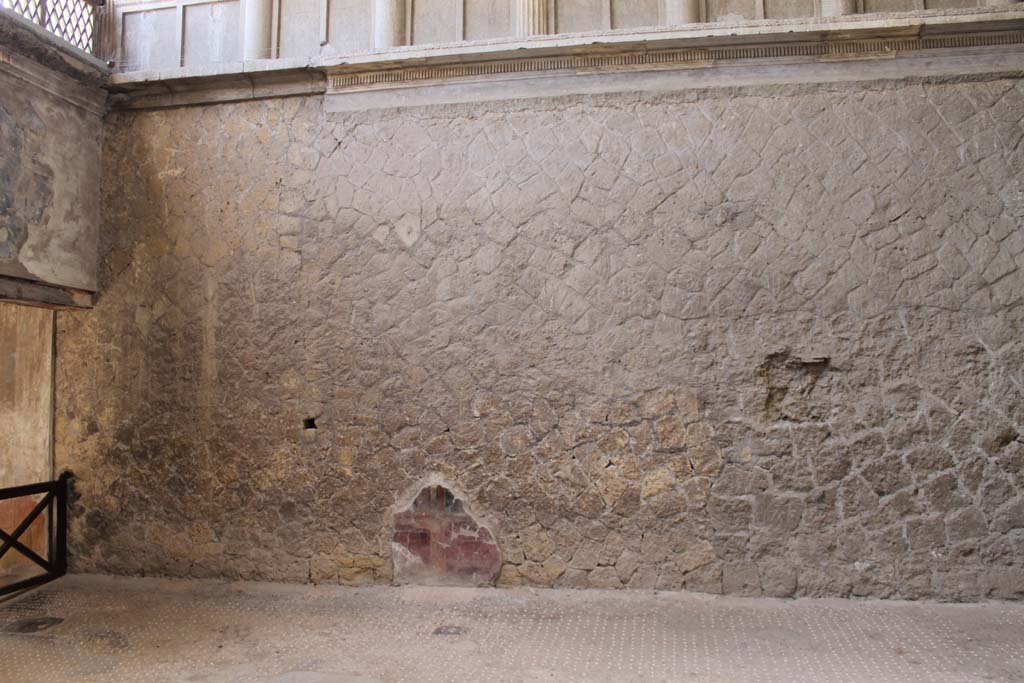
[{"x": 55, "y": 564}]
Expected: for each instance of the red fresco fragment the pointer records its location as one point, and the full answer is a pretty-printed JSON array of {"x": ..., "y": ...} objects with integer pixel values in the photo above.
[{"x": 437, "y": 542}]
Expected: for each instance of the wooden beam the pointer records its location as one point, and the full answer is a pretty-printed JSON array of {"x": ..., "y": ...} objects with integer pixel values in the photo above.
[{"x": 45, "y": 296}]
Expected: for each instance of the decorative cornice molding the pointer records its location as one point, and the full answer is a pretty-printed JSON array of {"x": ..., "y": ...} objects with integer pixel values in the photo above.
[
  {"x": 926, "y": 45},
  {"x": 668, "y": 59},
  {"x": 19, "y": 36},
  {"x": 90, "y": 98},
  {"x": 218, "y": 87},
  {"x": 38, "y": 58}
]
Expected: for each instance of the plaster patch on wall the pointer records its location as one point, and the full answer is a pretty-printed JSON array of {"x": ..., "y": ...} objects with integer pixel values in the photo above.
[{"x": 794, "y": 386}]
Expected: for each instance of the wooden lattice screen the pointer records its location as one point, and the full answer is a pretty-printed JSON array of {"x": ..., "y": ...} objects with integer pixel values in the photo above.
[{"x": 72, "y": 20}]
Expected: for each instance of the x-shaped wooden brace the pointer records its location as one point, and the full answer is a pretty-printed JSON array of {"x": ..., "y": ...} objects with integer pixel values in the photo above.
[{"x": 11, "y": 540}]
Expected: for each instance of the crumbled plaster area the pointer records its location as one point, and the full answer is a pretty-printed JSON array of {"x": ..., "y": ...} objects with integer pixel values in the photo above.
[
  {"x": 49, "y": 170},
  {"x": 26, "y": 183},
  {"x": 753, "y": 342}
]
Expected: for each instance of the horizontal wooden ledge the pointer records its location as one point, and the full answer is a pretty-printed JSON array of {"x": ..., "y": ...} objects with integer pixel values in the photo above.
[{"x": 31, "y": 293}]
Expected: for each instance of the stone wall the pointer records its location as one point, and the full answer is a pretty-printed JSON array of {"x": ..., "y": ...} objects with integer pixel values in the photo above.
[{"x": 754, "y": 342}]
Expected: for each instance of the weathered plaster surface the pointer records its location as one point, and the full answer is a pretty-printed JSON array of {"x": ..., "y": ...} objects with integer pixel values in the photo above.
[
  {"x": 49, "y": 198},
  {"x": 754, "y": 342},
  {"x": 26, "y": 350},
  {"x": 26, "y": 353}
]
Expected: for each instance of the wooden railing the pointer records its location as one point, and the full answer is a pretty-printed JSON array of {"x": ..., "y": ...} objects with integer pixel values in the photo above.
[{"x": 55, "y": 499}]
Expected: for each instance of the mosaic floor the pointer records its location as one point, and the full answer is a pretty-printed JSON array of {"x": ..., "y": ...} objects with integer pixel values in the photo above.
[{"x": 89, "y": 628}]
